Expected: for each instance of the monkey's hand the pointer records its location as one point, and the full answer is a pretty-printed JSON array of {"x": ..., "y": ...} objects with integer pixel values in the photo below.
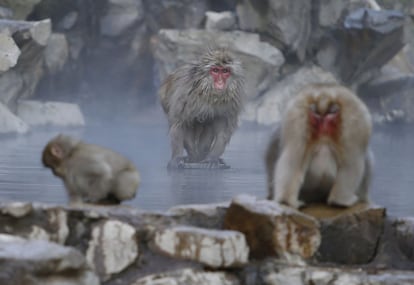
[{"x": 176, "y": 163}]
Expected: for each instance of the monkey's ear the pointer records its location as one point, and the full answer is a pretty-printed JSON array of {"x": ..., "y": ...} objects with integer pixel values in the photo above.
[{"x": 56, "y": 151}]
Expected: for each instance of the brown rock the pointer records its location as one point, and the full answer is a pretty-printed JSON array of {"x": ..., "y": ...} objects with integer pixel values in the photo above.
[
  {"x": 349, "y": 235},
  {"x": 272, "y": 229}
]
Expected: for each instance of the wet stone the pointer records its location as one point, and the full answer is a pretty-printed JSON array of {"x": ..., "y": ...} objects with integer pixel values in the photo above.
[
  {"x": 273, "y": 230},
  {"x": 214, "y": 248}
]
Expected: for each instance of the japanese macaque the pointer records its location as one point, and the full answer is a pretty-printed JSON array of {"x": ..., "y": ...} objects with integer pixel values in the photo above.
[
  {"x": 202, "y": 102},
  {"x": 320, "y": 151},
  {"x": 91, "y": 173}
]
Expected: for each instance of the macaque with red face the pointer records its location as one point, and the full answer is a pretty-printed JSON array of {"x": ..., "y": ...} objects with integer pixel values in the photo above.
[
  {"x": 202, "y": 102},
  {"x": 320, "y": 152},
  {"x": 91, "y": 173}
]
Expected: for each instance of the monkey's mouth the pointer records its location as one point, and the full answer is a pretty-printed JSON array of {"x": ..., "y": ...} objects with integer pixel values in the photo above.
[{"x": 219, "y": 85}]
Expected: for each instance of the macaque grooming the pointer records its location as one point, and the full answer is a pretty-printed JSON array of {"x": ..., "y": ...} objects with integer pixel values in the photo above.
[
  {"x": 320, "y": 152},
  {"x": 202, "y": 102},
  {"x": 91, "y": 173}
]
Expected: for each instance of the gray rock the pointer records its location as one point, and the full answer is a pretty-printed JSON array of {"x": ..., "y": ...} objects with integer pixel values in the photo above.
[
  {"x": 56, "y": 52},
  {"x": 121, "y": 14},
  {"x": 274, "y": 230},
  {"x": 112, "y": 248},
  {"x": 21, "y": 8},
  {"x": 10, "y": 123},
  {"x": 34, "y": 262},
  {"x": 213, "y": 248},
  {"x": 6, "y": 13},
  {"x": 261, "y": 60},
  {"x": 188, "y": 276},
  {"x": 69, "y": 20},
  {"x": 38, "y": 31},
  {"x": 17, "y": 209},
  {"x": 9, "y": 52},
  {"x": 268, "y": 109},
  {"x": 220, "y": 20},
  {"x": 36, "y": 113},
  {"x": 287, "y": 23}
]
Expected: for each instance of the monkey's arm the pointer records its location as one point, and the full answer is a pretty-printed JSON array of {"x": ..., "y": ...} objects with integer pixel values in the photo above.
[
  {"x": 177, "y": 146},
  {"x": 223, "y": 130},
  {"x": 271, "y": 156}
]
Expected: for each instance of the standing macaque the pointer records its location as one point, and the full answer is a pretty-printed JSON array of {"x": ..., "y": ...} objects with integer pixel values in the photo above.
[
  {"x": 91, "y": 173},
  {"x": 320, "y": 152},
  {"x": 202, "y": 102}
]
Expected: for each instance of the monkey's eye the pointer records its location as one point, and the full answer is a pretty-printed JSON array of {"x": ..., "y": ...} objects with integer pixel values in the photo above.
[
  {"x": 226, "y": 70},
  {"x": 334, "y": 108},
  {"x": 215, "y": 70}
]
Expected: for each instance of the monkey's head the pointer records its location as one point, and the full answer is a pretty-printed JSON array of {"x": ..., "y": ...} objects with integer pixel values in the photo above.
[
  {"x": 223, "y": 69},
  {"x": 56, "y": 150}
]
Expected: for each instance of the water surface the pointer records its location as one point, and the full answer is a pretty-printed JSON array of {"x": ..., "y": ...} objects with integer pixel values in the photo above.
[{"x": 23, "y": 178}]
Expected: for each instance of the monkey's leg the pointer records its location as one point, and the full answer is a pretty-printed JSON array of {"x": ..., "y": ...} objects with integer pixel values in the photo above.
[
  {"x": 222, "y": 132},
  {"x": 126, "y": 184},
  {"x": 271, "y": 156},
  {"x": 177, "y": 147},
  {"x": 290, "y": 173},
  {"x": 347, "y": 182},
  {"x": 366, "y": 179}
]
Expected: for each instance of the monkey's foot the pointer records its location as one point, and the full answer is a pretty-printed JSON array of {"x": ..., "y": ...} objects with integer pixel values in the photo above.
[
  {"x": 177, "y": 163},
  {"x": 206, "y": 164},
  {"x": 292, "y": 203},
  {"x": 344, "y": 201}
]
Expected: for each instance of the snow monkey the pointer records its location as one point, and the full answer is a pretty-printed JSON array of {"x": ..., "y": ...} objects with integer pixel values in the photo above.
[
  {"x": 91, "y": 173},
  {"x": 320, "y": 151},
  {"x": 202, "y": 102}
]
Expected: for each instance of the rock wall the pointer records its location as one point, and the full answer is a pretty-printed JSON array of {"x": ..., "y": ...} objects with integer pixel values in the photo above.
[
  {"x": 245, "y": 241},
  {"x": 110, "y": 56}
]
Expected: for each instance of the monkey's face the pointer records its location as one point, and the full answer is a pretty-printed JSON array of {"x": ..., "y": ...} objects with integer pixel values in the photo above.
[
  {"x": 324, "y": 117},
  {"x": 220, "y": 74}
]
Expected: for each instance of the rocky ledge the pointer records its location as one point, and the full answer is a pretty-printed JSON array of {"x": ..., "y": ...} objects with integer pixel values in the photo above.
[{"x": 245, "y": 241}]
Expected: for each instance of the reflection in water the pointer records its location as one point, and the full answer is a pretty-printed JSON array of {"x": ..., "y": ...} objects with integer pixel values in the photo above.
[{"x": 23, "y": 178}]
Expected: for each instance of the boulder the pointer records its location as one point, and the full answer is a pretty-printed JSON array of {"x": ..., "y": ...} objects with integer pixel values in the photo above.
[
  {"x": 220, "y": 20},
  {"x": 188, "y": 276},
  {"x": 120, "y": 15},
  {"x": 261, "y": 60},
  {"x": 34, "y": 262},
  {"x": 37, "y": 31},
  {"x": 10, "y": 123},
  {"x": 267, "y": 109},
  {"x": 9, "y": 52},
  {"x": 36, "y": 113},
  {"x": 286, "y": 23},
  {"x": 213, "y": 248},
  {"x": 112, "y": 248},
  {"x": 350, "y": 235},
  {"x": 272, "y": 229},
  {"x": 56, "y": 52}
]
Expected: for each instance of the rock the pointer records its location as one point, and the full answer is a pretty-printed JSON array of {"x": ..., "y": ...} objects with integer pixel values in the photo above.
[
  {"x": 37, "y": 113},
  {"x": 166, "y": 14},
  {"x": 188, "y": 276},
  {"x": 40, "y": 262},
  {"x": 273, "y": 230},
  {"x": 21, "y": 8},
  {"x": 267, "y": 109},
  {"x": 68, "y": 21},
  {"x": 112, "y": 248},
  {"x": 56, "y": 52},
  {"x": 287, "y": 23},
  {"x": 9, "y": 123},
  {"x": 349, "y": 236},
  {"x": 38, "y": 31},
  {"x": 6, "y": 13},
  {"x": 335, "y": 276},
  {"x": 364, "y": 42},
  {"x": 203, "y": 215},
  {"x": 220, "y": 20},
  {"x": 261, "y": 61},
  {"x": 17, "y": 209},
  {"x": 121, "y": 14},
  {"x": 404, "y": 235},
  {"x": 213, "y": 248},
  {"x": 9, "y": 52}
]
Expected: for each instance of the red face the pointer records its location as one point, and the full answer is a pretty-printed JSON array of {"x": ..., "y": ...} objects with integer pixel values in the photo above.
[
  {"x": 220, "y": 75},
  {"x": 325, "y": 124}
]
